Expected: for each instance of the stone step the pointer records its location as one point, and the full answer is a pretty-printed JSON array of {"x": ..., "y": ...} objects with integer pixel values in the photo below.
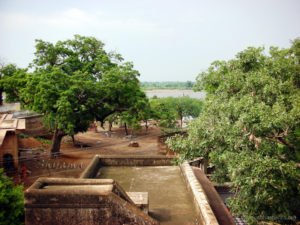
[{"x": 140, "y": 199}]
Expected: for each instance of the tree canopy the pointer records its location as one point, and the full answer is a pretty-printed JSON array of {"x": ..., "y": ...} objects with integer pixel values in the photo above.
[
  {"x": 74, "y": 82},
  {"x": 250, "y": 130}
]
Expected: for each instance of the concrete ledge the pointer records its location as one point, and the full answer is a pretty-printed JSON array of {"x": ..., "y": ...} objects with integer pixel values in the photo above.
[
  {"x": 92, "y": 169},
  {"x": 115, "y": 160},
  {"x": 215, "y": 201},
  {"x": 201, "y": 202},
  {"x": 61, "y": 187},
  {"x": 129, "y": 160}
]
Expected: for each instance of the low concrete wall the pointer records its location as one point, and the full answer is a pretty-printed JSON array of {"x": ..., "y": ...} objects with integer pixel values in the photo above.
[
  {"x": 216, "y": 203},
  {"x": 201, "y": 202},
  {"x": 92, "y": 169},
  {"x": 136, "y": 160},
  {"x": 104, "y": 160}
]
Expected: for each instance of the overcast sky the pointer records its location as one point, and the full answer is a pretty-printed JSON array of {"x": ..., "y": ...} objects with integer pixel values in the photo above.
[{"x": 165, "y": 39}]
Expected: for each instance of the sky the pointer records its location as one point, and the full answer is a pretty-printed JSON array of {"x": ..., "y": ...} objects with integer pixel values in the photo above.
[{"x": 167, "y": 40}]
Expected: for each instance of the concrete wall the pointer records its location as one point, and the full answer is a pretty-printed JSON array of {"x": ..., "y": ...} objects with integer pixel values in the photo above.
[
  {"x": 216, "y": 203},
  {"x": 136, "y": 160},
  {"x": 103, "y": 160},
  {"x": 10, "y": 146},
  {"x": 10, "y": 107},
  {"x": 201, "y": 202},
  {"x": 92, "y": 169}
]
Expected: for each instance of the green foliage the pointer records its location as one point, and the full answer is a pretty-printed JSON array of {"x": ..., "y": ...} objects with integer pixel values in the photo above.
[
  {"x": 11, "y": 202},
  {"x": 120, "y": 91},
  {"x": 169, "y": 110},
  {"x": 162, "y": 111},
  {"x": 266, "y": 187},
  {"x": 12, "y": 81},
  {"x": 66, "y": 101},
  {"x": 84, "y": 54},
  {"x": 249, "y": 130}
]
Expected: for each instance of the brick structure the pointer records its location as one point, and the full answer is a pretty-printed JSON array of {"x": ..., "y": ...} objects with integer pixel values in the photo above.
[{"x": 9, "y": 128}]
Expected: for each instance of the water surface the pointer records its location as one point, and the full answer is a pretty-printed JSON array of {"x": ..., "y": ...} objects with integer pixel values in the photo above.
[{"x": 174, "y": 93}]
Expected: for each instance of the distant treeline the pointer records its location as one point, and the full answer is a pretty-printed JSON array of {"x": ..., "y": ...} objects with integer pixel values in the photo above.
[{"x": 167, "y": 85}]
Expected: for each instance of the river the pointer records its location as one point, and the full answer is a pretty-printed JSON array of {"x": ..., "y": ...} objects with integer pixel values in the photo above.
[{"x": 162, "y": 93}]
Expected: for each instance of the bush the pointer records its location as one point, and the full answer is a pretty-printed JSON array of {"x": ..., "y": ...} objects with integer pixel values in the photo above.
[{"x": 11, "y": 202}]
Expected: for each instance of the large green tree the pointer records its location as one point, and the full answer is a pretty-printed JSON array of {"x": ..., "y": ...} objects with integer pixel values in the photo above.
[
  {"x": 67, "y": 102},
  {"x": 250, "y": 130},
  {"x": 76, "y": 81}
]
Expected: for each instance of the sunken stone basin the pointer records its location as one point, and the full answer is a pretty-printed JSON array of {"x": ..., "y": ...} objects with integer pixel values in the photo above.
[
  {"x": 169, "y": 200},
  {"x": 122, "y": 190}
]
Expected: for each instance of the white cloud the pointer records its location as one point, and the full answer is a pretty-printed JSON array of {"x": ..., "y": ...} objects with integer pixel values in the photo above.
[
  {"x": 76, "y": 18},
  {"x": 15, "y": 20},
  {"x": 69, "y": 18}
]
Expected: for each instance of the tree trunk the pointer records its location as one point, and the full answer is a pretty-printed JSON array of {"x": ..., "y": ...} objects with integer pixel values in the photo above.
[
  {"x": 146, "y": 125},
  {"x": 204, "y": 165},
  {"x": 1, "y": 97},
  {"x": 73, "y": 140},
  {"x": 110, "y": 126},
  {"x": 181, "y": 122},
  {"x": 126, "y": 130},
  {"x": 56, "y": 141}
]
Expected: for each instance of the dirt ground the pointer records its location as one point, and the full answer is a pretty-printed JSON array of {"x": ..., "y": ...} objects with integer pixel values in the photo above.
[{"x": 73, "y": 160}]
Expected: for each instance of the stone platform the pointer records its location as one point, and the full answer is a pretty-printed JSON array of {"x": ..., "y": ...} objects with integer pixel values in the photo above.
[{"x": 68, "y": 201}]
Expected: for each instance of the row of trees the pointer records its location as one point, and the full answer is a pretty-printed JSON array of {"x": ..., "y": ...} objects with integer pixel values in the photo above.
[
  {"x": 250, "y": 131},
  {"x": 165, "y": 111},
  {"x": 167, "y": 85}
]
